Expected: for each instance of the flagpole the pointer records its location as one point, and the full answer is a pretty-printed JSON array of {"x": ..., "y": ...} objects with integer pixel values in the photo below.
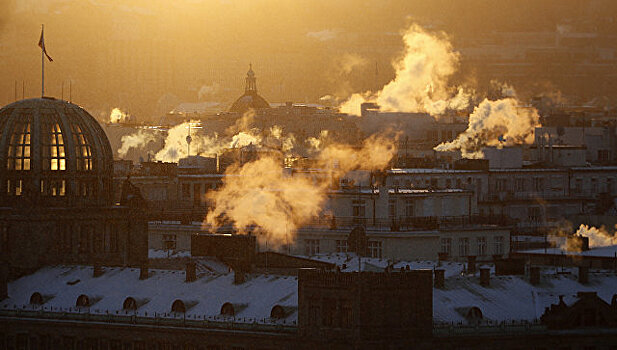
[{"x": 42, "y": 67}]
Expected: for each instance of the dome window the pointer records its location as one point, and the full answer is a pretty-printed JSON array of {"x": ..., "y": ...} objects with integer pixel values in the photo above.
[
  {"x": 54, "y": 157},
  {"x": 19, "y": 147},
  {"x": 82, "y": 148}
]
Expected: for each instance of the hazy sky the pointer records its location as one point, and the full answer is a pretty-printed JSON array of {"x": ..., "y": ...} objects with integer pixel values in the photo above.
[{"x": 146, "y": 55}]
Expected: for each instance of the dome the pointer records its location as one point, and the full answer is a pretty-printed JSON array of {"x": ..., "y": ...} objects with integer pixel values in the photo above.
[
  {"x": 251, "y": 98},
  {"x": 247, "y": 101},
  {"x": 53, "y": 154}
]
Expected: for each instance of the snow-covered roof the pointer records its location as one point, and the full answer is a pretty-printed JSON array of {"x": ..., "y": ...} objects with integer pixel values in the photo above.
[
  {"x": 203, "y": 298},
  {"x": 508, "y": 298},
  {"x": 608, "y": 251}
]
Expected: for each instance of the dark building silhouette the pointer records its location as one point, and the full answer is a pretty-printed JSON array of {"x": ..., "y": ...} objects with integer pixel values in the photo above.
[
  {"x": 56, "y": 193},
  {"x": 250, "y": 99}
]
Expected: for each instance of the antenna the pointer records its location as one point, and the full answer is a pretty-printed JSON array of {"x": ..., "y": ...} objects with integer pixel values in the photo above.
[
  {"x": 71, "y": 91},
  {"x": 63, "y": 90},
  {"x": 188, "y": 141}
]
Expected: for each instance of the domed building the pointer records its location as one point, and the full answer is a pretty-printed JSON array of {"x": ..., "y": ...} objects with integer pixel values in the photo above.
[
  {"x": 56, "y": 195},
  {"x": 250, "y": 99}
]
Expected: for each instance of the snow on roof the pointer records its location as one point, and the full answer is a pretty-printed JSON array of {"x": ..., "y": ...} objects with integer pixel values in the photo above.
[
  {"x": 608, "y": 251},
  {"x": 203, "y": 297},
  {"x": 513, "y": 298},
  {"x": 508, "y": 298}
]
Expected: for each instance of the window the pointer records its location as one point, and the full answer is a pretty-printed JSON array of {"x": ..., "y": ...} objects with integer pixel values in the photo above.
[
  {"x": 603, "y": 155},
  {"x": 502, "y": 184},
  {"x": 82, "y": 149},
  {"x": 374, "y": 249},
  {"x": 346, "y": 315},
  {"x": 169, "y": 242},
  {"x": 342, "y": 246},
  {"x": 463, "y": 246},
  {"x": 519, "y": 185},
  {"x": 392, "y": 208},
  {"x": 54, "y": 156},
  {"x": 578, "y": 185},
  {"x": 498, "y": 245},
  {"x": 446, "y": 245},
  {"x": 186, "y": 191},
  {"x": 19, "y": 147},
  {"x": 358, "y": 208},
  {"x": 409, "y": 208},
  {"x": 481, "y": 246},
  {"x": 329, "y": 308},
  {"x": 311, "y": 247},
  {"x": 534, "y": 214},
  {"x": 196, "y": 195},
  {"x": 538, "y": 184}
]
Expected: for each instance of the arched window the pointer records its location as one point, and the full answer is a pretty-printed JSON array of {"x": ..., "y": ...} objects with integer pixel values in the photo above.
[
  {"x": 228, "y": 309},
  {"x": 474, "y": 315},
  {"x": 55, "y": 156},
  {"x": 36, "y": 299},
  {"x": 83, "y": 301},
  {"x": 82, "y": 148},
  {"x": 277, "y": 312},
  {"x": 178, "y": 306},
  {"x": 19, "y": 147},
  {"x": 130, "y": 304}
]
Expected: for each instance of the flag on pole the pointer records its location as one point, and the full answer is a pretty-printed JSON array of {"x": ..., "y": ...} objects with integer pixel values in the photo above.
[{"x": 42, "y": 46}]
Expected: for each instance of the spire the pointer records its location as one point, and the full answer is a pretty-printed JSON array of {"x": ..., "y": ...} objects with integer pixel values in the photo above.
[{"x": 251, "y": 81}]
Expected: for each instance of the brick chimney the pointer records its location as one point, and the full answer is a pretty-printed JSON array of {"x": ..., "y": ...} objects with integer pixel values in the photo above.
[
  {"x": 485, "y": 276},
  {"x": 97, "y": 271},
  {"x": 440, "y": 278},
  {"x": 583, "y": 274},
  {"x": 239, "y": 276},
  {"x": 534, "y": 275},
  {"x": 4, "y": 281},
  {"x": 143, "y": 272},
  {"x": 471, "y": 264},
  {"x": 191, "y": 274}
]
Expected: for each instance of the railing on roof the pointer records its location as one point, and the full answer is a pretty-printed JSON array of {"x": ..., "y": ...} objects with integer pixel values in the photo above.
[
  {"x": 446, "y": 329},
  {"x": 157, "y": 319},
  {"x": 411, "y": 223}
]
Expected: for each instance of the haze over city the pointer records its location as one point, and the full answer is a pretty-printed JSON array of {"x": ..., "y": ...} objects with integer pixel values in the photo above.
[{"x": 271, "y": 174}]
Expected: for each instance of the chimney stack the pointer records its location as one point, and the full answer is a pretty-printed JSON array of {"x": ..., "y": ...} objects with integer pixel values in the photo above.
[
  {"x": 471, "y": 264},
  {"x": 143, "y": 272},
  {"x": 534, "y": 275},
  {"x": 583, "y": 274},
  {"x": 97, "y": 270},
  {"x": 4, "y": 281},
  {"x": 239, "y": 276},
  {"x": 440, "y": 278},
  {"x": 191, "y": 274},
  {"x": 485, "y": 276}
]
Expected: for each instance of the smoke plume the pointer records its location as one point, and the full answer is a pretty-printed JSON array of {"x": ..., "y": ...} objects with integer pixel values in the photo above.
[
  {"x": 140, "y": 139},
  {"x": 420, "y": 84},
  {"x": 260, "y": 197},
  {"x": 117, "y": 116},
  {"x": 494, "y": 123},
  {"x": 598, "y": 237}
]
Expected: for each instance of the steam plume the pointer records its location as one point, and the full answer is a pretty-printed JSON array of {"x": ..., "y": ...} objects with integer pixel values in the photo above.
[
  {"x": 259, "y": 194},
  {"x": 117, "y": 116},
  {"x": 420, "y": 84},
  {"x": 598, "y": 237},
  {"x": 137, "y": 140},
  {"x": 494, "y": 123}
]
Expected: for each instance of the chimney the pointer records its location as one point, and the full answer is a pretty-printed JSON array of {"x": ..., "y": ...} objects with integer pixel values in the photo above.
[
  {"x": 471, "y": 264},
  {"x": 440, "y": 278},
  {"x": 485, "y": 276},
  {"x": 239, "y": 276},
  {"x": 97, "y": 271},
  {"x": 191, "y": 275},
  {"x": 583, "y": 274},
  {"x": 534, "y": 275},
  {"x": 4, "y": 281},
  {"x": 143, "y": 272}
]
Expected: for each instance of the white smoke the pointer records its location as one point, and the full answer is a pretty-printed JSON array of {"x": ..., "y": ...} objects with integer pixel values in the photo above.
[
  {"x": 117, "y": 116},
  {"x": 598, "y": 237},
  {"x": 494, "y": 123},
  {"x": 138, "y": 140},
  {"x": 420, "y": 84}
]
